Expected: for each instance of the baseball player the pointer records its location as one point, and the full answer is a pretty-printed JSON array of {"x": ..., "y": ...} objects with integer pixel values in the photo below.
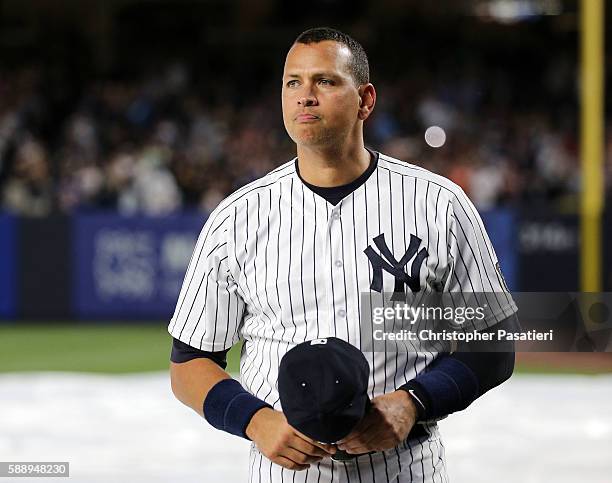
[{"x": 286, "y": 258}]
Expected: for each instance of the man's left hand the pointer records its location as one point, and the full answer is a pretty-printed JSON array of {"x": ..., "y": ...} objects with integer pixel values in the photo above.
[{"x": 386, "y": 425}]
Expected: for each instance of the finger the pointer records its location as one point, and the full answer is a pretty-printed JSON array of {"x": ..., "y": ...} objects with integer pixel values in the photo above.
[
  {"x": 312, "y": 453},
  {"x": 366, "y": 442},
  {"x": 363, "y": 447},
  {"x": 327, "y": 448},
  {"x": 307, "y": 447},
  {"x": 289, "y": 464},
  {"x": 299, "y": 457},
  {"x": 380, "y": 442},
  {"x": 360, "y": 448}
]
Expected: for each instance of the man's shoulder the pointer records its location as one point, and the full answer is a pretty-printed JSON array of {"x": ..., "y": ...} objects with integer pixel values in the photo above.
[
  {"x": 404, "y": 168},
  {"x": 238, "y": 197}
]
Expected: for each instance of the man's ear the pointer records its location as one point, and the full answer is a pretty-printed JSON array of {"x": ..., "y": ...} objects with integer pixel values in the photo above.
[{"x": 367, "y": 100}]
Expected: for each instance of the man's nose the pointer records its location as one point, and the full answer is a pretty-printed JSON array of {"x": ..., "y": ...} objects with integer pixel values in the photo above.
[{"x": 308, "y": 100}]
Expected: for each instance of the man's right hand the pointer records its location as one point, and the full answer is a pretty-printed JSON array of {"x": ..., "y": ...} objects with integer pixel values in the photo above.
[{"x": 282, "y": 444}]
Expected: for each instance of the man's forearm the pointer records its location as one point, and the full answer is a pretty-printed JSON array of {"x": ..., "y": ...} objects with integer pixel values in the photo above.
[
  {"x": 211, "y": 392},
  {"x": 192, "y": 380}
]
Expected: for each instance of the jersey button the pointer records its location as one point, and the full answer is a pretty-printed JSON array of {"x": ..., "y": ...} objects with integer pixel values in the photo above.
[
  {"x": 335, "y": 216},
  {"x": 338, "y": 263},
  {"x": 341, "y": 312}
]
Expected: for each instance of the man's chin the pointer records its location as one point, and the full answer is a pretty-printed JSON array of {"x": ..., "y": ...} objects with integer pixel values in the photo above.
[{"x": 310, "y": 139}]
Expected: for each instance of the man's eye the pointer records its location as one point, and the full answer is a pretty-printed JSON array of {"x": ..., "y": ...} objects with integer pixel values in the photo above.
[
  {"x": 326, "y": 82},
  {"x": 292, "y": 83}
]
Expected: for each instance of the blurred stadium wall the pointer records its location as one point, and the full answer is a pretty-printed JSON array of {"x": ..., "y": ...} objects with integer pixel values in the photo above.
[{"x": 124, "y": 122}]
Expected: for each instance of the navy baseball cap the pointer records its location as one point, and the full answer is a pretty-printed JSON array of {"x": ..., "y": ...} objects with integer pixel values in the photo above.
[{"x": 323, "y": 386}]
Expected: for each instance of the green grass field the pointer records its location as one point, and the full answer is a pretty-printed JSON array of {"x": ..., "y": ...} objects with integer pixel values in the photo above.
[
  {"x": 127, "y": 347},
  {"x": 116, "y": 348}
]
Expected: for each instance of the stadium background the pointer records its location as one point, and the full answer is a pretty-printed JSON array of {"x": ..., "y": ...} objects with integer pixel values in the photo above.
[{"x": 124, "y": 122}]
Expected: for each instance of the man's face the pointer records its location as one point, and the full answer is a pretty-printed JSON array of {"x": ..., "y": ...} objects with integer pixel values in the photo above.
[{"x": 319, "y": 96}]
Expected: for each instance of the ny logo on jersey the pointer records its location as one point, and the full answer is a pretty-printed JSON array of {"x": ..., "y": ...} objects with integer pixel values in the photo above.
[{"x": 394, "y": 267}]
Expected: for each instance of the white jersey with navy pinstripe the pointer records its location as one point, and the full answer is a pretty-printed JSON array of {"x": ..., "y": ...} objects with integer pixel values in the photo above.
[{"x": 276, "y": 265}]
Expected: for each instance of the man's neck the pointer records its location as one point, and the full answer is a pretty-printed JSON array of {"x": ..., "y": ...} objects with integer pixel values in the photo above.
[{"x": 328, "y": 168}]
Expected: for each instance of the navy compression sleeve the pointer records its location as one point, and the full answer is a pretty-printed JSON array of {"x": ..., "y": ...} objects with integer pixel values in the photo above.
[{"x": 454, "y": 381}]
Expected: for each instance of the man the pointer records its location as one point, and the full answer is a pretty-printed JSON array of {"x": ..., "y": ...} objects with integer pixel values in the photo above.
[{"x": 284, "y": 260}]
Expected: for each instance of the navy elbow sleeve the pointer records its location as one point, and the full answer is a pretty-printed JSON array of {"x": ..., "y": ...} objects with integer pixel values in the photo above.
[
  {"x": 182, "y": 352},
  {"x": 490, "y": 368}
]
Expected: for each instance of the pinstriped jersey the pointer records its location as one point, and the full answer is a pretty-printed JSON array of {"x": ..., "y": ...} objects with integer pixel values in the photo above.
[{"x": 276, "y": 264}]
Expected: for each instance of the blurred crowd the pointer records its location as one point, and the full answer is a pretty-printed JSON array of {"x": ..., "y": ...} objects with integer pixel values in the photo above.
[{"x": 164, "y": 143}]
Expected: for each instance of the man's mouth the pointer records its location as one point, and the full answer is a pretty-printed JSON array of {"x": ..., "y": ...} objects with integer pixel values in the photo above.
[{"x": 306, "y": 118}]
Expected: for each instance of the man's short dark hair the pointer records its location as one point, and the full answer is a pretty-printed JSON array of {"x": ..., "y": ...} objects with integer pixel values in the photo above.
[{"x": 359, "y": 66}]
